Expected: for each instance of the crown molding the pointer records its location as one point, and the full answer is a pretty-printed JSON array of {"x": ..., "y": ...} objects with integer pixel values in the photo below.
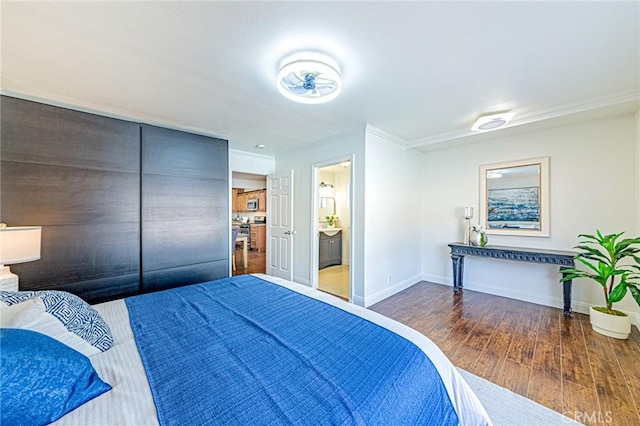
[
  {"x": 536, "y": 116},
  {"x": 251, "y": 154},
  {"x": 386, "y": 135}
]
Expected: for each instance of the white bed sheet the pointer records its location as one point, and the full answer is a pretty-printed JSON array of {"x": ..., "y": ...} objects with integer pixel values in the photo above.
[{"x": 130, "y": 401}]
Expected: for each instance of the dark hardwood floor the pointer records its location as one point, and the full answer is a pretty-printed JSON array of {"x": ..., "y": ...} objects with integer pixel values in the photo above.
[
  {"x": 256, "y": 262},
  {"x": 530, "y": 349}
]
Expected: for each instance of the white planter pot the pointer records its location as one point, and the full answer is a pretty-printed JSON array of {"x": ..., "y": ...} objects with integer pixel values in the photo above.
[{"x": 610, "y": 325}]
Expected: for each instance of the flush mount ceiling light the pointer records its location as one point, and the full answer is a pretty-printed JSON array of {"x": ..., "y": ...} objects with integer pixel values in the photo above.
[
  {"x": 309, "y": 79},
  {"x": 492, "y": 121}
]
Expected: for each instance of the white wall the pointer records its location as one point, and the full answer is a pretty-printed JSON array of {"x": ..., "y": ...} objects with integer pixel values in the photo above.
[
  {"x": 248, "y": 162},
  {"x": 259, "y": 182},
  {"x": 638, "y": 173},
  {"x": 594, "y": 185},
  {"x": 393, "y": 217},
  {"x": 385, "y": 209},
  {"x": 343, "y": 210},
  {"x": 302, "y": 161}
]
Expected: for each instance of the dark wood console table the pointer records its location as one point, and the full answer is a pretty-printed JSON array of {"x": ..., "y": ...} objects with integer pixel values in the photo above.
[{"x": 556, "y": 257}]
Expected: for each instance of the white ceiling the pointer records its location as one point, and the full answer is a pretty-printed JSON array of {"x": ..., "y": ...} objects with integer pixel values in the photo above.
[{"x": 421, "y": 71}]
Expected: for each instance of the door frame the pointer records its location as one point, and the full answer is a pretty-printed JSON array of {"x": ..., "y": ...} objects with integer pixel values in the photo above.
[
  {"x": 261, "y": 173},
  {"x": 315, "y": 219}
]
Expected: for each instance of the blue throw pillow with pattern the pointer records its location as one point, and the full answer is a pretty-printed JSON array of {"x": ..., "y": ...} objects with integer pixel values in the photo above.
[{"x": 76, "y": 315}]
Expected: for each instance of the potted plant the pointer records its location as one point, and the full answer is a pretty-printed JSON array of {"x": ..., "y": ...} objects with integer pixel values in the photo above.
[
  {"x": 331, "y": 220},
  {"x": 615, "y": 265},
  {"x": 478, "y": 236}
]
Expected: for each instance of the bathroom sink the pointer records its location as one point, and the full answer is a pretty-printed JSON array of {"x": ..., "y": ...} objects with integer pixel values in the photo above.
[{"x": 330, "y": 231}]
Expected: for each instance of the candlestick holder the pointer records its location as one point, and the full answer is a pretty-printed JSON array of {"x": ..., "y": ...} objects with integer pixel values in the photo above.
[{"x": 468, "y": 215}]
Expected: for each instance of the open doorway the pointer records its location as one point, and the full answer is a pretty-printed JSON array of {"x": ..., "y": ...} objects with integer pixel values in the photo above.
[
  {"x": 333, "y": 236},
  {"x": 249, "y": 217}
]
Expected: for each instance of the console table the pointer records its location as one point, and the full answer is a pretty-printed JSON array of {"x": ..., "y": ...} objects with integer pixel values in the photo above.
[{"x": 556, "y": 257}]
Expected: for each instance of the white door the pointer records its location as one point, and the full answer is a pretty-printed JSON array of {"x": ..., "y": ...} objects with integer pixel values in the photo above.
[{"x": 280, "y": 225}]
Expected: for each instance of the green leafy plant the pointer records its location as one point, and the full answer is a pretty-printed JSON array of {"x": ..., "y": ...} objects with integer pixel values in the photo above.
[
  {"x": 613, "y": 264},
  {"x": 331, "y": 219},
  {"x": 483, "y": 234}
]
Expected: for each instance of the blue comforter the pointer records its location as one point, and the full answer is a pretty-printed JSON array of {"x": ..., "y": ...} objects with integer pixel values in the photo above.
[{"x": 245, "y": 351}]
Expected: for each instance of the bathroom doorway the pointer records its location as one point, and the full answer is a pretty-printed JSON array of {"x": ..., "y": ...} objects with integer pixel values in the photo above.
[{"x": 332, "y": 242}]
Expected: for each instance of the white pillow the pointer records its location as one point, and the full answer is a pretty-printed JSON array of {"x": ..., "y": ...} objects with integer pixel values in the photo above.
[
  {"x": 8, "y": 313},
  {"x": 36, "y": 318},
  {"x": 58, "y": 314}
]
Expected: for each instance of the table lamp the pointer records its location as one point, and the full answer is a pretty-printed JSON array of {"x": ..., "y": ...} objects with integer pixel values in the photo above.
[{"x": 18, "y": 244}]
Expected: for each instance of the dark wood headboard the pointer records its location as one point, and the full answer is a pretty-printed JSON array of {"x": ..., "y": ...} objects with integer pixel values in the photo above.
[{"x": 124, "y": 207}]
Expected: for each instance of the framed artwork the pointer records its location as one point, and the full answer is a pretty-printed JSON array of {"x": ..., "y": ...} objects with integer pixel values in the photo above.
[{"x": 514, "y": 197}]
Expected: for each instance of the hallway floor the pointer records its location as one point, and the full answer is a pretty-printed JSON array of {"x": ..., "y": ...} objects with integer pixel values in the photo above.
[
  {"x": 256, "y": 262},
  {"x": 335, "y": 280}
]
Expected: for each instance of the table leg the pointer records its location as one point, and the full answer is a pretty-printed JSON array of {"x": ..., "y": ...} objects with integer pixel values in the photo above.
[
  {"x": 457, "y": 261},
  {"x": 244, "y": 253},
  {"x": 566, "y": 290}
]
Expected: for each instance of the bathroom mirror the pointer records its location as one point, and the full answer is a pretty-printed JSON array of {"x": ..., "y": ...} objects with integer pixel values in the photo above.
[{"x": 514, "y": 197}]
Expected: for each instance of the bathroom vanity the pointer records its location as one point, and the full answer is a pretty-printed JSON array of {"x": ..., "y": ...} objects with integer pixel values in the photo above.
[{"x": 330, "y": 247}]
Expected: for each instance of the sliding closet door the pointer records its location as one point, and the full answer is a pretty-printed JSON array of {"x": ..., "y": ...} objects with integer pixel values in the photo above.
[
  {"x": 185, "y": 208},
  {"x": 78, "y": 176}
]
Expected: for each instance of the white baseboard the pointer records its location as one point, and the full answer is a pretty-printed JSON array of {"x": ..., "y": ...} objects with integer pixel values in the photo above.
[
  {"x": 389, "y": 291},
  {"x": 302, "y": 281},
  {"x": 357, "y": 300},
  {"x": 554, "y": 302}
]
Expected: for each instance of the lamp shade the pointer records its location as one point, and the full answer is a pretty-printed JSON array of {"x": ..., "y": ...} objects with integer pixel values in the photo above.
[{"x": 19, "y": 244}]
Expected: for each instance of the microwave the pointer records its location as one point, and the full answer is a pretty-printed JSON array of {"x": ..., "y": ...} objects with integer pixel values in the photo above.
[{"x": 252, "y": 205}]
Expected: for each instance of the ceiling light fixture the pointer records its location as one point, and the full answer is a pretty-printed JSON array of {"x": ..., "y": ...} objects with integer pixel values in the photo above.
[
  {"x": 492, "y": 121},
  {"x": 309, "y": 79}
]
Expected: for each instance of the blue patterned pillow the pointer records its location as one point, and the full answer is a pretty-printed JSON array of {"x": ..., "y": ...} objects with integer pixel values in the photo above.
[
  {"x": 42, "y": 379},
  {"x": 76, "y": 315}
]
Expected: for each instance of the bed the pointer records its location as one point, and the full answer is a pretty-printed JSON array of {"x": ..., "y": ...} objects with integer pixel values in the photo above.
[{"x": 260, "y": 350}]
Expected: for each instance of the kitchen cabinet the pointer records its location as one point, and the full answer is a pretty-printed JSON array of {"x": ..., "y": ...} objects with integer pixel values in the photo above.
[
  {"x": 330, "y": 250},
  {"x": 258, "y": 237},
  {"x": 241, "y": 203},
  {"x": 234, "y": 200},
  {"x": 262, "y": 200},
  {"x": 240, "y": 198}
]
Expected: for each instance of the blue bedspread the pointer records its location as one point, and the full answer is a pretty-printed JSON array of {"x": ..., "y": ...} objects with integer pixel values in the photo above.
[{"x": 245, "y": 351}]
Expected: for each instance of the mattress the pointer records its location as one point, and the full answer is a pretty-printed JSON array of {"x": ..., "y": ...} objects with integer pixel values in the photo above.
[{"x": 130, "y": 402}]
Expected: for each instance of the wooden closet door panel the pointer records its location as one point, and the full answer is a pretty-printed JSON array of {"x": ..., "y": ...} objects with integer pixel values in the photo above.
[
  {"x": 57, "y": 195},
  {"x": 185, "y": 208},
  {"x": 176, "y": 153},
  {"x": 184, "y": 275},
  {"x": 183, "y": 198},
  {"x": 77, "y": 175},
  {"x": 37, "y": 133},
  {"x": 85, "y": 260}
]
